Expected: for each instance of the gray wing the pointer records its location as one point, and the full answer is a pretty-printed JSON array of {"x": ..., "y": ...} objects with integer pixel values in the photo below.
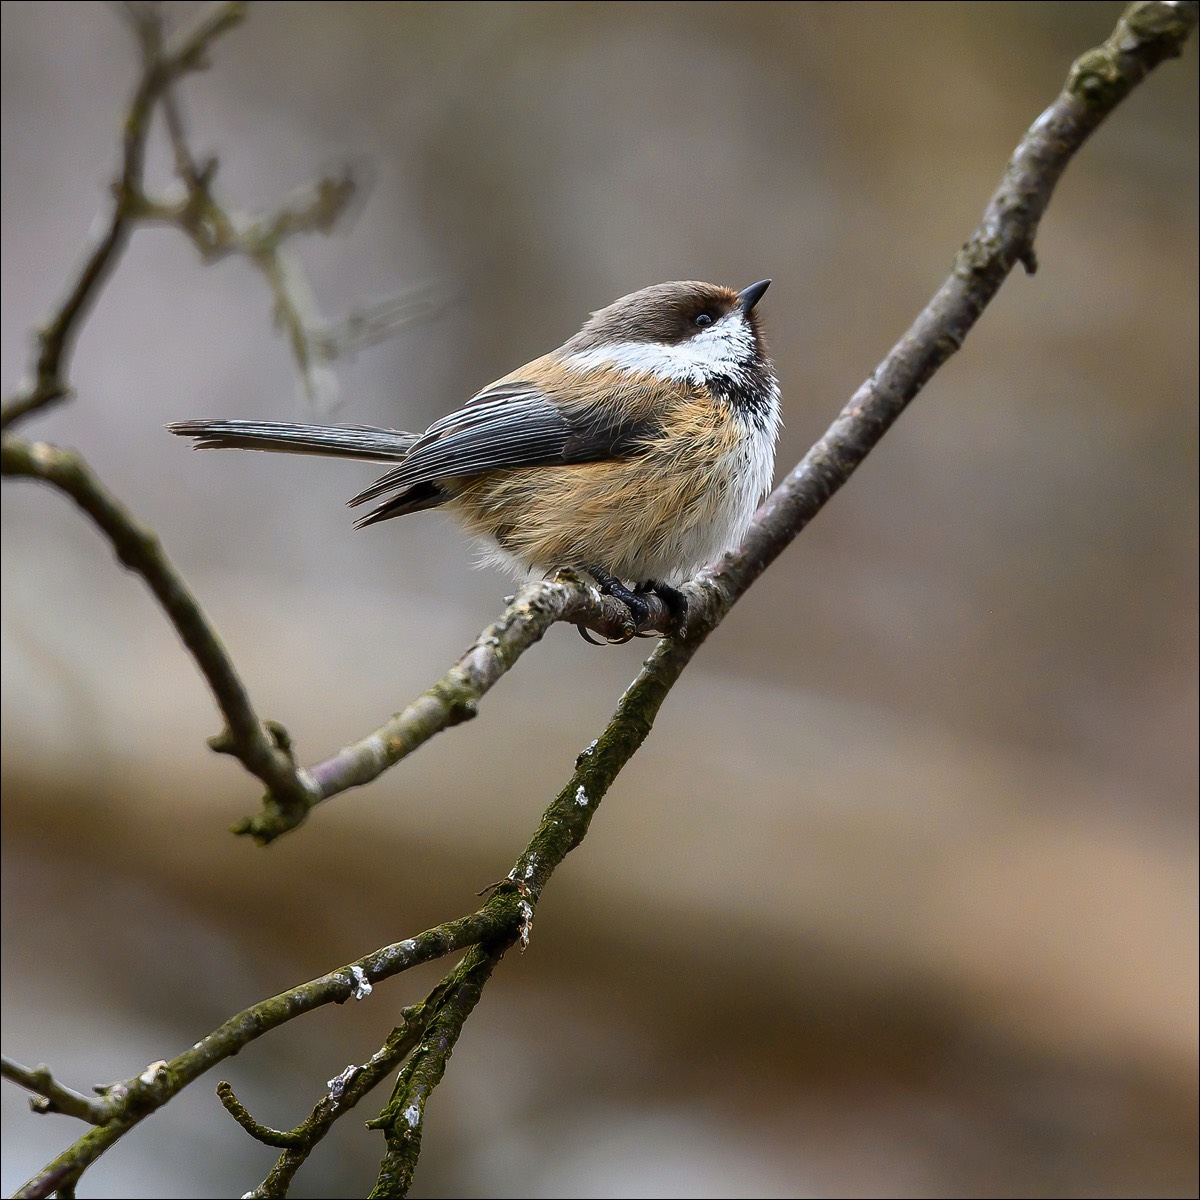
[{"x": 511, "y": 424}]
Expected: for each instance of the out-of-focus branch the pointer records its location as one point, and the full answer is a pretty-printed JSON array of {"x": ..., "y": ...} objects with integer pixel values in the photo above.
[
  {"x": 263, "y": 747},
  {"x": 219, "y": 233},
  {"x": 56, "y": 338},
  {"x": 214, "y": 230},
  {"x": 50, "y": 1096}
]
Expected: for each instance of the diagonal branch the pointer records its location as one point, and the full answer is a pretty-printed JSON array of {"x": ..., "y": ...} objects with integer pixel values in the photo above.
[
  {"x": 402, "y": 1118},
  {"x": 345, "y": 1091}
]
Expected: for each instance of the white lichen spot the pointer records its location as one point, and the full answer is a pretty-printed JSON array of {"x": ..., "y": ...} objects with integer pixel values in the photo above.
[
  {"x": 581, "y": 796},
  {"x": 338, "y": 1084},
  {"x": 526, "y": 874},
  {"x": 149, "y": 1075},
  {"x": 362, "y": 985},
  {"x": 526, "y": 911},
  {"x": 411, "y": 1116}
]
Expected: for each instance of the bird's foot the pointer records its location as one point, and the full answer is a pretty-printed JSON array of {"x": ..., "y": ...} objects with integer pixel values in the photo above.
[
  {"x": 673, "y": 598},
  {"x": 640, "y": 610}
]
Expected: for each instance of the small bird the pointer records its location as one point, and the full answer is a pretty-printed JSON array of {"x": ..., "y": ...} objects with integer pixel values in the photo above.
[{"x": 636, "y": 452}]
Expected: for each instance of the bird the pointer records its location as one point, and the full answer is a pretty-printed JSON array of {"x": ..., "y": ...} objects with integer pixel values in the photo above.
[{"x": 636, "y": 452}]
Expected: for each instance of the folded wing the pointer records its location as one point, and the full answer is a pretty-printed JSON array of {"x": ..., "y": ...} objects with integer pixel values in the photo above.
[{"x": 515, "y": 423}]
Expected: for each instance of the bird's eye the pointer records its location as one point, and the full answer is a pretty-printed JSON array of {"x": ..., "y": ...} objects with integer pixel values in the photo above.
[{"x": 703, "y": 320}]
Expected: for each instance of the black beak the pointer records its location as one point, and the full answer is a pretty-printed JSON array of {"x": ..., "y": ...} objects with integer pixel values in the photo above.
[{"x": 752, "y": 295}]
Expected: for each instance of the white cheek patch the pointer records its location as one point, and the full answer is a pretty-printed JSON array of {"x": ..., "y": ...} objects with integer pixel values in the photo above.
[{"x": 722, "y": 349}]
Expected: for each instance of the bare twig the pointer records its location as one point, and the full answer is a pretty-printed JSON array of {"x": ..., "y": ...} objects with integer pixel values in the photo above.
[
  {"x": 402, "y": 1119},
  {"x": 279, "y": 1138},
  {"x": 56, "y": 338},
  {"x": 218, "y": 233},
  {"x": 215, "y": 231},
  {"x": 262, "y": 747},
  {"x": 50, "y": 1096}
]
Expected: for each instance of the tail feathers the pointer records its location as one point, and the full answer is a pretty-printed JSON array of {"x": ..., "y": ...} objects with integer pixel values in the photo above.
[
  {"x": 286, "y": 437},
  {"x": 420, "y": 496}
]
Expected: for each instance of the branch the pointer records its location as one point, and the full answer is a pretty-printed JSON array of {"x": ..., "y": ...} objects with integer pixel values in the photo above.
[
  {"x": 262, "y": 747},
  {"x": 497, "y": 922},
  {"x": 345, "y": 1091},
  {"x": 1148, "y": 33},
  {"x": 403, "y": 1117},
  {"x": 214, "y": 231},
  {"x": 218, "y": 233},
  {"x": 56, "y": 338},
  {"x": 50, "y": 1096},
  {"x": 455, "y": 697}
]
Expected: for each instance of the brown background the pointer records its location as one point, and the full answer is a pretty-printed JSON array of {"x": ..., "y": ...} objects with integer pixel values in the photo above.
[{"x": 899, "y": 899}]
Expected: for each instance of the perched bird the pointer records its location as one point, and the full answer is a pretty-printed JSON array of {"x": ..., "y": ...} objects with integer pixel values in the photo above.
[{"x": 636, "y": 452}]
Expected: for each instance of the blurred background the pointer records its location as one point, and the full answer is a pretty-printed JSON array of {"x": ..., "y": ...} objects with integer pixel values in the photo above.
[{"x": 900, "y": 897}]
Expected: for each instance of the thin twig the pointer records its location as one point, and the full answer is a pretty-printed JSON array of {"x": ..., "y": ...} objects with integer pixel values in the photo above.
[
  {"x": 50, "y": 1096},
  {"x": 402, "y": 1119},
  {"x": 1147, "y": 33},
  {"x": 56, "y": 338},
  {"x": 345, "y": 1091},
  {"x": 279, "y": 1138}
]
